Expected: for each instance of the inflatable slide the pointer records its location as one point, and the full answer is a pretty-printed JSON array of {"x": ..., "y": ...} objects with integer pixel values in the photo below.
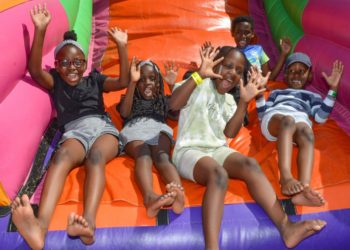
[{"x": 161, "y": 31}]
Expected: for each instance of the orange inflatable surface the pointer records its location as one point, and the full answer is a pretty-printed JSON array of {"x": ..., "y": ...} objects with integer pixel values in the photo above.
[{"x": 171, "y": 37}]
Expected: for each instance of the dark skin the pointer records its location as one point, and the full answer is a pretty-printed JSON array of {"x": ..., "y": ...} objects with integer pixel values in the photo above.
[
  {"x": 227, "y": 73},
  {"x": 145, "y": 81},
  {"x": 243, "y": 33},
  {"x": 287, "y": 132},
  {"x": 70, "y": 64}
]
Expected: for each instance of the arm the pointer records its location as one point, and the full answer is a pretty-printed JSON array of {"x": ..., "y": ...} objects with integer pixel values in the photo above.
[
  {"x": 321, "y": 112},
  {"x": 181, "y": 94},
  {"x": 171, "y": 72},
  {"x": 114, "y": 83},
  {"x": 126, "y": 104},
  {"x": 248, "y": 92},
  {"x": 286, "y": 46},
  {"x": 41, "y": 18}
]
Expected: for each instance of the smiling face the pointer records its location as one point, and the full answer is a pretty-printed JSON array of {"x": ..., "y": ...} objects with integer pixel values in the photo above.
[
  {"x": 297, "y": 75},
  {"x": 232, "y": 71},
  {"x": 243, "y": 34},
  {"x": 70, "y": 64},
  {"x": 147, "y": 85}
]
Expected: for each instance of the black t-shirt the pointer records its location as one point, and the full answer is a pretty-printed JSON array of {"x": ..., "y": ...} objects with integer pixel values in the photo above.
[{"x": 73, "y": 102}]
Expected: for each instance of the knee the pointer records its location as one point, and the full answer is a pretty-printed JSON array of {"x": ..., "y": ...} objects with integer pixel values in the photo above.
[
  {"x": 162, "y": 161},
  {"x": 62, "y": 155},
  {"x": 250, "y": 165},
  {"x": 287, "y": 122},
  {"x": 219, "y": 176},
  {"x": 306, "y": 135},
  {"x": 94, "y": 158}
]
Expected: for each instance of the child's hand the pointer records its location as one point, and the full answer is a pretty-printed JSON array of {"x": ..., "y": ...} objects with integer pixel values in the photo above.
[
  {"x": 120, "y": 37},
  {"x": 171, "y": 71},
  {"x": 334, "y": 79},
  {"x": 261, "y": 81},
  {"x": 135, "y": 70},
  {"x": 41, "y": 17},
  {"x": 255, "y": 86},
  {"x": 286, "y": 45},
  {"x": 207, "y": 46},
  {"x": 208, "y": 63}
]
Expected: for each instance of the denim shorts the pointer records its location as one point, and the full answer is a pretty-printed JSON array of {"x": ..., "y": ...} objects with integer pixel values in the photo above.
[{"x": 87, "y": 129}]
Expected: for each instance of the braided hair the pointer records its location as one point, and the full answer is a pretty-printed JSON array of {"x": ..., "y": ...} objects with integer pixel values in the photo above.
[{"x": 157, "y": 107}]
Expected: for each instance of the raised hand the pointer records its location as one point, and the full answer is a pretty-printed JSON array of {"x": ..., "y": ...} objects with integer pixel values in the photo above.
[
  {"x": 334, "y": 79},
  {"x": 286, "y": 45},
  {"x": 120, "y": 37},
  {"x": 40, "y": 15},
  {"x": 255, "y": 86},
  {"x": 208, "y": 63},
  {"x": 207, "y": 46},
  {"x": 135, "y": 70},
  {"x": 171, "y": 71}
]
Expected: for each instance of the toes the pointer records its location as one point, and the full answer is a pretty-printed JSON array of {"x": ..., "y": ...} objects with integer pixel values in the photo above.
[
  {"x": 71, "y": 219},
  {"x": 25, "y": 200}
]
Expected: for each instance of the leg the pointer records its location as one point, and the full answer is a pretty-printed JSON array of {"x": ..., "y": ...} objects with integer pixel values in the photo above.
[
  {"x": 283, "y": 127},
  {"x": 304, "y": 137},
  {"x": 143, "y": 174},
  {"x": 247, "y": 169},
  {"x": 33, "y": 230},
  {"x": 104, "y": 149},
  {"x": 161, "y": 158},
  {"x": 209, "y": 173}
]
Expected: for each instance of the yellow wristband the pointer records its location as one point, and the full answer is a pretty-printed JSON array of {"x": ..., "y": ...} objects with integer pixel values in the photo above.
[{"x": 197, "y": 78}]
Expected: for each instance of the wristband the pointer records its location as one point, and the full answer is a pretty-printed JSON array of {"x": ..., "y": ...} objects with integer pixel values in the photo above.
[
  {"x": 332, "y": 93},
  {"x": 196, "y": 78}
]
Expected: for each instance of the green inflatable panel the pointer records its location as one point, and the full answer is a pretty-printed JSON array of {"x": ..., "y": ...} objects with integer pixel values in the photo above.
[
  {"x": 285, "y": 19},
  {"x": 79, "y": 13}
]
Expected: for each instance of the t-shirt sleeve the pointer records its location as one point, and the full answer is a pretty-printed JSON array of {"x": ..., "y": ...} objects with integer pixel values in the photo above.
[
  {"x": 98, "y": 78},
  {"x": 263, "y": 57}
]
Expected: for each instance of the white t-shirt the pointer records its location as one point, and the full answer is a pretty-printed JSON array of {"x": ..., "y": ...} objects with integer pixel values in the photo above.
[{"x": 203, "y": 120}]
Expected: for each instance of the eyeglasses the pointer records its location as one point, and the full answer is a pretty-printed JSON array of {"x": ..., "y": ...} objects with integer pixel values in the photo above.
[{"x": 65, "y": 63}]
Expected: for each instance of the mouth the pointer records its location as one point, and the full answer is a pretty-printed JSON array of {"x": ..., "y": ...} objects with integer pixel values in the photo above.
[
  {"x": 226, "y": 84},
  {"x": 73, "y": 77},
  {"x": 242, "y": 42},
  {"x": 296, "y": 84},
  {"x": 148, "y": 91}
]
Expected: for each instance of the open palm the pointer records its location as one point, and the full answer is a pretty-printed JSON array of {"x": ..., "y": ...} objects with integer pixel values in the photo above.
[
  {"x": 41, "y": 17},
  {"x": 118, "y": 35},
  {"x": 171, "y": 71},
  {"x": 334, "y": 79}
]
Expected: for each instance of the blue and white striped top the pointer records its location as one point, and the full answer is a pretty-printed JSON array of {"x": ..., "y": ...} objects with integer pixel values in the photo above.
[{"x": 297, "y": 100}]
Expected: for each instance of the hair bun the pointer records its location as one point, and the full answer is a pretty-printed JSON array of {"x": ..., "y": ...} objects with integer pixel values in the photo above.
[{"x": 70, "y": 35}]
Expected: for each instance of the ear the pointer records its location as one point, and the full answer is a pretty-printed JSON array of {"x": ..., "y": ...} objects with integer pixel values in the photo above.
[{"x": 310, "y": 75}]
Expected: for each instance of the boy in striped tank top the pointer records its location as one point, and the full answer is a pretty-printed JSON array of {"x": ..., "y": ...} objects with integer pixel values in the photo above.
[{"x": 285, "y": 118}]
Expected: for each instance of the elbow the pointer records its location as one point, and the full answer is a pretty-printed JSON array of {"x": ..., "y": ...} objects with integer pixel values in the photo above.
[{"x": 173, "y": 105}]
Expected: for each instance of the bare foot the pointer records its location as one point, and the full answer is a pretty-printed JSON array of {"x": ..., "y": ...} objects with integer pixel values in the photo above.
[
  {"x": 178, "y": 205},
  {"x": 291, "y": 186},
  {"x": 78, "y": 226},
  {"x": 308, "y": 197},
  {"x": 27, "y": 224},
  {"x": 153, "y": 207},
  {"x": 294, "y": 233}
]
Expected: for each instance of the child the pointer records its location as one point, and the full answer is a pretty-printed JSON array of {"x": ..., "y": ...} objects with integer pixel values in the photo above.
[
  {"x": 147, "y": 137},
  {"x": 208, "y": 114},
  {"x": 242, "y": 30},
  {"x": 89, "y": 136},
  {"x": 285, "y": 118}
]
